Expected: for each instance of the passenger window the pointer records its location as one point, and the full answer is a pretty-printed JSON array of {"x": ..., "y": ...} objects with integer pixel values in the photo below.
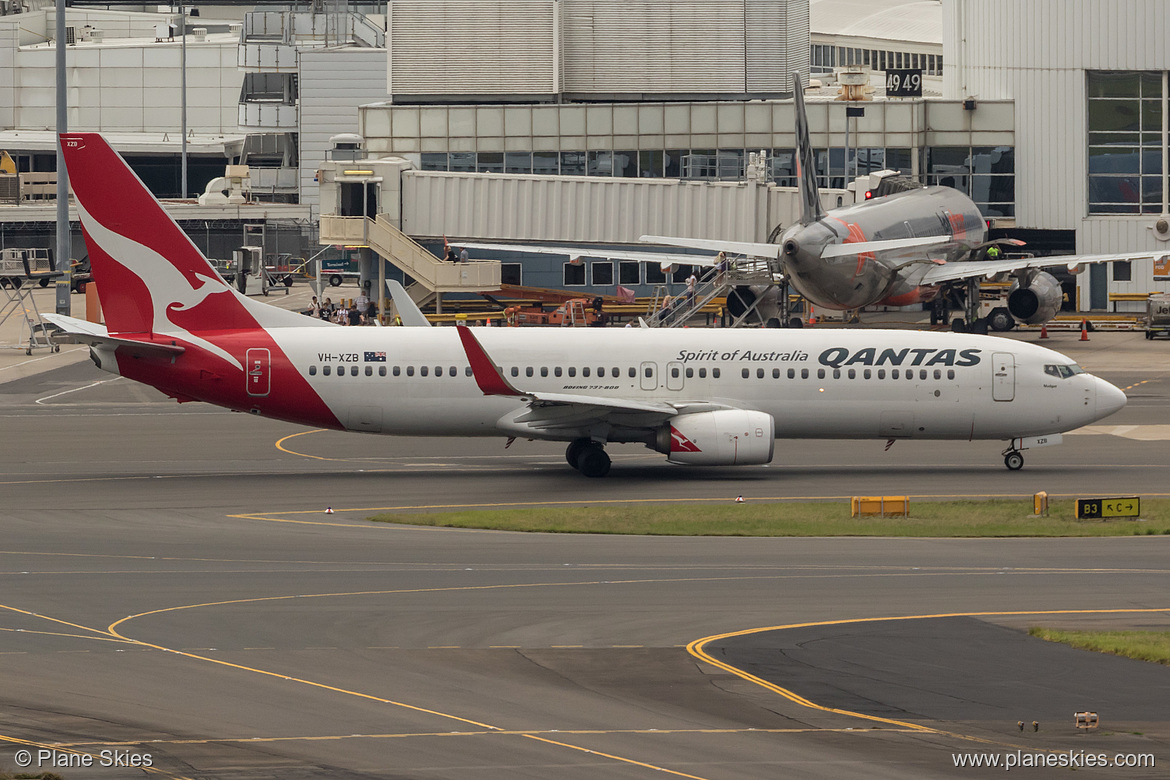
[
  {"x": 438, "y": 371},
  {"x": 836, "y": 373},
  {"x": 423, "y": 371},
  {"x": 775, "y": 373},
  {"x": 759, "y": 373},
  {"x": 852, "y": 373},
  {"x": 544, "y": 371},
  {"x": 674, "y": 373},
  {"x": 397, "y": 371},
  {"x": 746, "y": 373},
  {"x": 702, "y": 373},
  {"x": 615, "y": 372},
  {"x": 326, "y": 370},
  {"x": 381, "y": 370},
  {"x": 868, "y": 374},
  {"x": 804, "y": 373},
  {"x": 690, "y": 372},
  {"x": 950, "y": 373},
  {"x": 410, "y": 370},
  {"x": 468, "y": 372},
  {"x": 649, "y": 372},
  {"x": 922, "y": 373},
  {"x": 369, "y": 370},
  {"x": 633, "y": 372},
  {"x": 585, "y": 371},
  {"x": 557, "y": 371},
  {"x": 312, "y": 371},
  {"x": 572, "y": 371},
  {"x": 515, "y": 371},
  {"x": 528, "y": 371},
  {"x": 820, "y": 373},
  {"x": 353, "y": 370},
  {"x": 601, "y": 372},
  {"x": 714, "y": 373},
  {"x": 882, "y": 373},
  {"x": 453, "y": 371},
  {"x": 792, "y": 373},
  {"x": 341, "y": 370},
  {"x": 937, "y": 374},
  {"x": 910, "y": 373}
]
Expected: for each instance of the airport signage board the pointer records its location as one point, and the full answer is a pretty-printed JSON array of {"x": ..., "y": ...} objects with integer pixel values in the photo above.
[
  {"x": 1103, "y": 508},
  {"x": 904, "y": 83}
]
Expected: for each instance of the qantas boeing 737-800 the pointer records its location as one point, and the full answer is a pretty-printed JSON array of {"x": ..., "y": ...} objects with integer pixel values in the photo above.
[{"x": 704, "y": 397}]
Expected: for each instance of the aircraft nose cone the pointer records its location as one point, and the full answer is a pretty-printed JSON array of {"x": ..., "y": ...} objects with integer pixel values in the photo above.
[{"x": 1109, "y": 399}]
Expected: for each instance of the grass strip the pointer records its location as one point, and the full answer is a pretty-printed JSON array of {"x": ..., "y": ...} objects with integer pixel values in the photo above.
[
  {"x": 990, "y": 518},
  {"x": 1143, "y": 645}
]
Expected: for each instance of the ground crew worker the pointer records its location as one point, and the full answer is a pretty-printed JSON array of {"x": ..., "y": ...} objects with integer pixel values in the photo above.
[{"x": 993, "y": 252}]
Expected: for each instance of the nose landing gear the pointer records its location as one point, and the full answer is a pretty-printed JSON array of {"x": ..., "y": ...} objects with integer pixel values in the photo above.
[{"x": 1013, "y": 459}]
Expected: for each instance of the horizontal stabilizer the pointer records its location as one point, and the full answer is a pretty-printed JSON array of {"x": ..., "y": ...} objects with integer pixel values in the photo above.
[
  {"x": 83, "y": 332},
  {"x": 736, "y": 247},
  {"x": 857, "y": 247}
]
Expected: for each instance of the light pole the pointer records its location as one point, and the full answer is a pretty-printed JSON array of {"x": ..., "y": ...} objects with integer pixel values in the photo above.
[{"x": 64, "y": 250}]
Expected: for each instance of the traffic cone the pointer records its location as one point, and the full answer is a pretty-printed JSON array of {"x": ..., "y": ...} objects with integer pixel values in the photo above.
[
  {"x": 739, "y": 499},
  {"x": 1084, "y": 330},
  {"x": 1044, "y": 331},
  {"x": 328, "y": 510},
  {"x": 812, "y": 316}
]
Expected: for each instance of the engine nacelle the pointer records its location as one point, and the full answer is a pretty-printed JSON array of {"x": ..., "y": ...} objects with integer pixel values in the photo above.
[
  {"x": 1038, "y": 302},
  {"x": 728, "y": 437}
]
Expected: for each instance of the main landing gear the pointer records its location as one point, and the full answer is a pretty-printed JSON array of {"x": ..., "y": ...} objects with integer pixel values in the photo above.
[
  {"x": 588, "y": 457},
  {"x": 1013, "y": 459}
]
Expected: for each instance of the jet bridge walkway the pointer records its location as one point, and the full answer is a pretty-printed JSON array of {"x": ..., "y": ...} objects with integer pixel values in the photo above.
[{"x": 431, "y": 276}]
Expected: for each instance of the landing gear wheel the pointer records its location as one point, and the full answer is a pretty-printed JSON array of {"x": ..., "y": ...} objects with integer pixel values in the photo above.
[
  {"x": 593, "y": 462},
  {"x": 1000, "y": 320},
  {"x": 574, "y": 450},
  {"x": 287, "y": 281},
  {"x": 1014, "y": 461}
]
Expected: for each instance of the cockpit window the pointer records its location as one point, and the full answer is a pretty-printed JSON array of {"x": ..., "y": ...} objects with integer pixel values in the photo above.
[{"x": 1063, "y": 372}]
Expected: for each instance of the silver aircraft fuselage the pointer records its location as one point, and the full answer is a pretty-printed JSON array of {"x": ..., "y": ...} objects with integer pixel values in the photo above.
[{"x": 891, "y": 277}]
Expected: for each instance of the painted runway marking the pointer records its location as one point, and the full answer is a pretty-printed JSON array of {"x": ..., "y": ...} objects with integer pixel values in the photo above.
[
  {"x": 74, "y": 390},
  {"x": 697, "y": 648}
]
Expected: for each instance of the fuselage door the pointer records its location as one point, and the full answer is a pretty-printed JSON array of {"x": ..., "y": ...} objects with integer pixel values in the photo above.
[
  {"x": 258, "y": 372},
  {"x": 674, "y": 375},
  {"x": 1003, "y": 379},
  {"x": 649, "y": 374}
]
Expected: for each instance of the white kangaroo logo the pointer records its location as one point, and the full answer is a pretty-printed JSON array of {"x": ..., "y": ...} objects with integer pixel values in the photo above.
[{"x": 161, "y": 279}]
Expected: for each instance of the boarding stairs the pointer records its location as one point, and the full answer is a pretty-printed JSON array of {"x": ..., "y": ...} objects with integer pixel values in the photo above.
[
  {"x": 713, "y": 284},
  {"x": 432, "y": 276}
]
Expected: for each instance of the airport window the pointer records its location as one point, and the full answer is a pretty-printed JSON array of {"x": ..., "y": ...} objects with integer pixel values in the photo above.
[
  {"x": 425, "y": 371},
  {"x": 397, "y": 371},
  {"x": 599, "y": 164},
  {"x": 792, "y": 373},
  {"x": 512, "y": 273},
  {"x": 462, "y": 162},
  {"x": 369, "y": 370},
  {"x": 655, "y": 274},
  {"x": 630, "y": 272},
  {"x": 528, "y": 371},
  {"x": 544, "y": 371},
  {"x": 515, "y": 371},
  {"x": 1125, "y": 145},
  {"x": 572, "y": 163},
  {"x": 572, "y": 371},
  {"x": 489, "y": 162},
  {"x": 1122, "y": 272},
  {"x": 651, "y": 164},
  {"x": 410, "y": 370},
  {"x": 986, "y": 174},
  {"x": 434, "y": 161},
  {"x": 574, "y": 275},
  {"x": 714, "y": 373},
  {"x": 517, "y": 162},
  {"x": 312, "y": 371},
  {"x": 381, "y": 370},
  {"x": 746, "y": 373},
  {"x": 820, "y": 373},
  {"x": 545, "y": 163},
  {"x": 602, "y": 272}
]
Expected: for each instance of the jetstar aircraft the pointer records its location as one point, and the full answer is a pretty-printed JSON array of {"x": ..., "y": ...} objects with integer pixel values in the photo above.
[{"x": 702, "y": 397}]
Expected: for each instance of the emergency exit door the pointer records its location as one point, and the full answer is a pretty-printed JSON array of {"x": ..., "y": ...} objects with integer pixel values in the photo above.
[
  {"x": 258, "y": 372},
  {"x": 1003, "y": 376}
]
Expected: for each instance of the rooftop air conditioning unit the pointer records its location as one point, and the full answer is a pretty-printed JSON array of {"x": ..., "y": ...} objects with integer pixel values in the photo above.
[
  {"x": 70, "y": 35},
  {"x": 199, "y": 33},
  {"x": 97, "y": 35}
]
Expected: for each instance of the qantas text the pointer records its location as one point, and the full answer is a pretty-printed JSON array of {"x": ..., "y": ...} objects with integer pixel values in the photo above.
[{"x": 840, "y": 356}]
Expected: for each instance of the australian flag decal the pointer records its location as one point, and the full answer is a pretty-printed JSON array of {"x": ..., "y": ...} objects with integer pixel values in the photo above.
[{"x": 375, "y": 357}]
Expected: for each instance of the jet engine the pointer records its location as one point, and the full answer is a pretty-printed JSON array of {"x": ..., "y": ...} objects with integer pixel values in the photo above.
[
  {"x": 741, "y": 298},
  {"x": 1036, "y": 302},
  {"x": 727, "y": 437}
]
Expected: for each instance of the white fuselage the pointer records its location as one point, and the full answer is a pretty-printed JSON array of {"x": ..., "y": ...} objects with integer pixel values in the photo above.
[{"x": 815, "y": 384}]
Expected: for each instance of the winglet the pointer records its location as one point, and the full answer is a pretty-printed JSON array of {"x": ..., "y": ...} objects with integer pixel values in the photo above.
[
  {"x": 811, "y": 209},
  {"x": 408, "y": 312},
  {"x": 489, "y": 378}
]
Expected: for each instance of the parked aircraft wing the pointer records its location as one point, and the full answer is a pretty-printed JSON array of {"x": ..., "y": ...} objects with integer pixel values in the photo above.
[
  {"x": 957, "y": 271},
  {"x": 714, "y": 245},
  {"x": 663, "y": 258},
  {"x": 410, "y": 314},
  {"x": 83, "y": 332}
]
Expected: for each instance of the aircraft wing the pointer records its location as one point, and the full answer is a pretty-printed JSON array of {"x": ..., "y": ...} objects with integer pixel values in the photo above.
[
  {"x": 83, "y": 332},
  {"x": 958, "y": 271},
  {"x": 736, "y": 247},
  {"x": 662, "y": 258},
  {"x": 773, "y": 250}
]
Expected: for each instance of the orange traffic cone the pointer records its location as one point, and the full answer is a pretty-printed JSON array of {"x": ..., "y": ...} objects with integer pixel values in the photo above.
[
  {"x": 1084, "y": 330},
  {"x": 739, "y": 499},
  {"x": 812, "y": 316},
  {"x": 1043, "y": 331},
  {"x": 328, "y": 510}
]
